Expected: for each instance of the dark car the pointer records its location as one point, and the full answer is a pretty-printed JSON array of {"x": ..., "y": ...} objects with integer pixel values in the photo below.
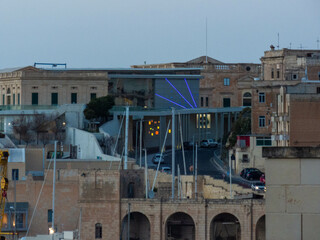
[
  {"x": 251, "y": 174},
  {"x": 188, "y": 145}
]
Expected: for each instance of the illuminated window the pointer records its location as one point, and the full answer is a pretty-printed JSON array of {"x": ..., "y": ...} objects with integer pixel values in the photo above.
[{"x": 203, "y": 121}]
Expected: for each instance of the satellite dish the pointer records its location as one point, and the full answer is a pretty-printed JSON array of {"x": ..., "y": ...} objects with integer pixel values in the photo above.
[{"x": 151, "y": 194}]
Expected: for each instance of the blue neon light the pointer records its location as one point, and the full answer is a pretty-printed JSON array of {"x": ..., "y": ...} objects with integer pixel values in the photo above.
[
  {"x": 170, "y": 100},
  {"x": 179, "y": 92},
  {"x": 190, "y": 92}
]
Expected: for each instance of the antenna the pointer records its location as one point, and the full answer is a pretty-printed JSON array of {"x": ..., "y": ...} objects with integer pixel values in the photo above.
[
  {"x": 318, "y": 43},
  {"x": 290, "y": 45},
  {"x": 206, "y": 40},
  {"x": 278, "y": 41}
]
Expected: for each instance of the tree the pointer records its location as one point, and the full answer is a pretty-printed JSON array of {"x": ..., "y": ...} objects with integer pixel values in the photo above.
[
  {"x": 38, "y": 124},
  {"x": 98, "y": 108},
  {"x": 22, "y": 127},
  {"x": 241, "y": 127}
]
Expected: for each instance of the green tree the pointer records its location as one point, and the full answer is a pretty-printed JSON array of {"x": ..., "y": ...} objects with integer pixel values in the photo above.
[
  {"x": 241, "y": 127},
  {"x": 98, "y": 108}
]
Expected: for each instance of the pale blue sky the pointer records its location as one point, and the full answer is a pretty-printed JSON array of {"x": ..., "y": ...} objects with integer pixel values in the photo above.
[{"x": 120, "y": 33}]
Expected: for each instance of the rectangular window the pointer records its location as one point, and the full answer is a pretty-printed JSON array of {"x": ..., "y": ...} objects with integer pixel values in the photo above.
[
  {"x": 318, "y": 75},
  {"x": 14, "y": 99},
  {"x": 15, "y": 174},
  {"x": 207, "y": 101},
  {"x": 272, "y": 73},
  {"x": 18, "y": 98},
  {"x": 54, "y": 98},
  {"x": 226, "y": 81},
  {"x": 73, "y": 97},
  {"x": 35, "y": 98},
  {"x": 226, "y": 102},
  {"x": 201, "y": 99},
  {"x": 262, "y": 121},
  {"x": 262, "y": 97},
  {"x": 3, "y": 98},
  {"x": 203, "y": 121},
  {"x": 8, "y": 100},
  {"x": 278, "y": 73},
  {"x": 49, "y": 215},
  {"x": 263, "y": 141},
  {"x": 93, "y": 96},
  {"x": 318, "y": 90}
]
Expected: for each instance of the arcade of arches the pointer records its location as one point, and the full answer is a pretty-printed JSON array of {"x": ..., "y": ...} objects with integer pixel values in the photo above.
[{"x": 182, "y": 220}]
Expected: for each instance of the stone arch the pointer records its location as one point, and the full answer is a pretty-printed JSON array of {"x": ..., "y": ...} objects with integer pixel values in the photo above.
[
  {"x": 225, "y": 226},
  {"x": 139, "y": 226},
  {"x": 180, "y": 225},
  {"x": 246, "y": 99},
  {"x": 261, "y": 228}
]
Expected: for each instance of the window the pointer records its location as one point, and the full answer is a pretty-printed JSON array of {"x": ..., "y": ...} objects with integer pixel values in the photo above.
[
  {"x": 50, "y": 215},
  {"x": 201, "y": 101},
  {"x": 14, "y": 99},
  {"x": 98, "y": 230},
  {"x": 226, "y": 102},
  {"x": 226, "y": 81},
  {"x": 18, "y": 98},
  {"x": 272, "y": 73},
  {"x": 203, "y": 121},
  {"x": 15, "y": 174},
  {"x": 93, "y": 96},
  {"x": 54, "y": 98},
  {"x": 294, "y": 76},
  {"x": 262, "y": 97},
  {"x": 318, "y": 90},
  {"x": 35, "y": 97},
  {"x": 278, "y": 73},
  {"x": 246, "y": 100},
  {"x": 73, "y": 97},
  {"x": 318, "y": 75},
  {"x": 245, "y": 158},
  {"x": 263, "y": 141},
  {"x": 207, "y": 101},
  {"x": 3, "y": 98},
  {"x": 8, "y": 100},
  {"x": 262, "y": 121}
]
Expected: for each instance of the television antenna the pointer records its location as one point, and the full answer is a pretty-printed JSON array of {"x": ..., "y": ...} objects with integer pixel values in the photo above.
[
  {"x": 278, "y": 46},
  {"x": 318, "y": 43}
]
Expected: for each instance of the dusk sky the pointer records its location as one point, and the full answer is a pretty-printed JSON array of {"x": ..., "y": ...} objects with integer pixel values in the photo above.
[{"x": 120, "y": 33}]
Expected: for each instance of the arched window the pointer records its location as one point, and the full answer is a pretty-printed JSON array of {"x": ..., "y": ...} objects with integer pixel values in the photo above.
[
  {"x": 8, "y": 91},
  {"x": 98, "y": 230},
  {"x": 246, "y": 99}
]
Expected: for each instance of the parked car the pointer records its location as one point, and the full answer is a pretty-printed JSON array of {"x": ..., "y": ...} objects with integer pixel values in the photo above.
[
  {"x": 166, "y": 169},
  {"x": 251, "y": 174},
  {"x": 158, "y": 157},
  {"x": 259, "y": 187},
  {"x": 188, "y": 145},
  {"x": 208, "y": 143}
]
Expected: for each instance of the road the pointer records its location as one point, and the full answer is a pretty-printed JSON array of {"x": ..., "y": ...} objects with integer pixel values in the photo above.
[{"x": 206, "y": 165}]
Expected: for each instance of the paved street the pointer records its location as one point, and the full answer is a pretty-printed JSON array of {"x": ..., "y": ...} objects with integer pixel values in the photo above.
[{"x": 206, "y": 164}]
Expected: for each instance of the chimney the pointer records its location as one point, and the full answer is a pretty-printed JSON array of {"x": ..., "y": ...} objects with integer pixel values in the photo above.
[{"x": 272, "y": 48}]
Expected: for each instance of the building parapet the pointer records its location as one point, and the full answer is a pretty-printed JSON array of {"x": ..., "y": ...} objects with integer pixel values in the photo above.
[{"x": 291, "y": 152}]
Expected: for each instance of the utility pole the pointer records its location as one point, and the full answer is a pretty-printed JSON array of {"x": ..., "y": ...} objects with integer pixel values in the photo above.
[
  {"x": 146, "y": 172},
  {"x": 126, "y": 139},
  {"x": 140, "y": 141},
  {"x": 230, "y": 176},
  {"x": 54, "y": 184},
  {"x": 15, "y": 205},
  {"x": 173, "y": 153},
  {"x": 196, "y": 175}
]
